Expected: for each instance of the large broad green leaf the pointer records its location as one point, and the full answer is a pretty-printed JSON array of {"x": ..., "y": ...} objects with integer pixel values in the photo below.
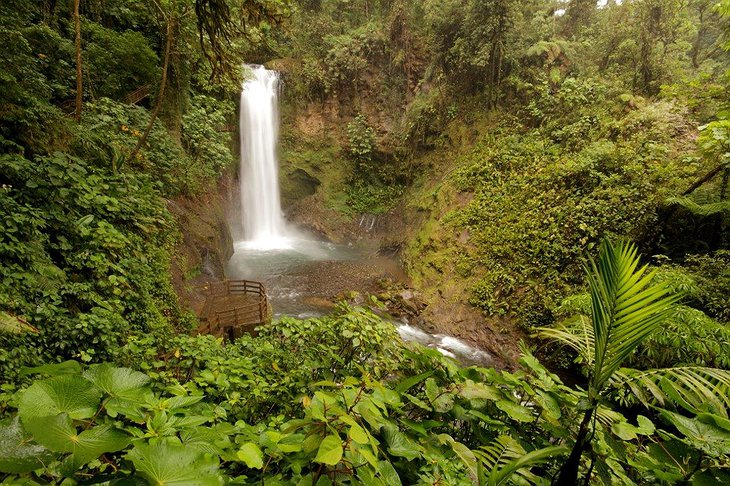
[
  {"x": 58, "y": 434},
  {"x": 463, "y": 452},
  {"x": 626, "y": 431},
  {"x": 122, "y": 383},
  {"x": 330, "y": 451},
  {"x": 356, "y": 433},
  {"x": 411, "y": 381},
  {"x": 204, "y": 438},
  {"x": 69, "y": 394},
  {"x": 178, "y": 403},
  {"x": 170, "y": 464},
  {"x": 18, "y": 453},
  {"x": 471, "y": 391},
  {"x": 701, "y": 435},
  {"x": 55, "y": 432},
  {"x": 515, "y": 411},
  {"x": 399, "y": 444},
  {"x": 716, "y": 420},
  {"x": 441, "y": 400},
  {"x": 389, "y": 474},
  {"x": 251, "y": 455},
  {"x": 69, "y": 367}
]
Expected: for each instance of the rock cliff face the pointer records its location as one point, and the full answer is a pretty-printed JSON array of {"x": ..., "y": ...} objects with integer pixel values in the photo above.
[{"x": 205, "y": 243}]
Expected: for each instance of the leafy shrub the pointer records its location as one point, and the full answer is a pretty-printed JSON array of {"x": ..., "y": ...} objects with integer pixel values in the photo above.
[
  {"x": 117, "y": 63},
  {"x": 203, "y": 140},
  {"x": 349, "y": 55},
  {"x": 712, "y": 274},
  {"x": 687, "y": 337},
  {"x": 572, "y": 204},
  {"x": 313, "y": 78},
  {"x": 270, "y": 372},
  {"x": 403, "y": 416},
  {"x": 361, "y": 143},
  {"x": 424, "y": 120},
  {"x": 162, "y": 157},
  {"x": 29, "y": 121},
  {"x": 84, "y": 260},
  {"x": 531, "y": 206},
  {"x": 55, "y": 56},
  {"x": 372, "y": 198}
]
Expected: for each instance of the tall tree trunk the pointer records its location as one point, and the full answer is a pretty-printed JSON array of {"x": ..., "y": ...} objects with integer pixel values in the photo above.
[
  {"x": 160, "y": 94},
  {"x": 176, "y": 100},
  {"x": 79, "y": 71}
]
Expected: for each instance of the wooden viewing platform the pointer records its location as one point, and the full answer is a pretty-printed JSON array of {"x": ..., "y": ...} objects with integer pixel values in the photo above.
[{"x": 233, "y": 307}]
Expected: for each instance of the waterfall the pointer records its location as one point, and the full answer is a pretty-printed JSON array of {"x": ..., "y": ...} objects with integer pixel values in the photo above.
[{"x": 263, "y": 221}]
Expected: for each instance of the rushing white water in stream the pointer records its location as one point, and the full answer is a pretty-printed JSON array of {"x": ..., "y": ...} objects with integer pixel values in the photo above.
[{"x": 264, "y": 226}]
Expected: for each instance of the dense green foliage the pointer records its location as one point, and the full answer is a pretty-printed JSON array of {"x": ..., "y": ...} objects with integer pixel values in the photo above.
[
  {"x": 85, "y": 234},
  {"x": 359, "y": 407},
  {"x": 512, "y": 138},
  {"x": 85, "y": 258}
]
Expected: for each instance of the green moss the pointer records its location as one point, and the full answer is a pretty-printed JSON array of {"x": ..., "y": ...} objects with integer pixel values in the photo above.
[{"x": 312, "y": 166}]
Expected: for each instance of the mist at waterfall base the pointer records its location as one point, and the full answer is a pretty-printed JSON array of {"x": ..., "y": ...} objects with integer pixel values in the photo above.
[{"x": 302, "y": 273}]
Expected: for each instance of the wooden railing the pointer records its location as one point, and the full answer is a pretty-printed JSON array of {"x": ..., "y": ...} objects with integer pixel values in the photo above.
[
  {"x": 69, "y": 106},
  {"x": 228, "y": 320},
  {"x": 138, "y": 94}
]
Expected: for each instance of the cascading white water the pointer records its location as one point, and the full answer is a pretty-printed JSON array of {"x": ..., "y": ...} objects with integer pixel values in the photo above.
[{"x": 264, "y": 226}]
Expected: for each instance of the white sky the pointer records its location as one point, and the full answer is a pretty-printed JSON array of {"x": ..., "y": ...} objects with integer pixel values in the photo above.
[{"x": 599, "y": 4}]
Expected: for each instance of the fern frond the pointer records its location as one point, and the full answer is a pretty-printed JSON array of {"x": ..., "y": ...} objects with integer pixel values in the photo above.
[
  {"x": 694, "y": 388},
  {"x": 505, "y": 457},
  {"x": 708, "y": 209},
  {"x": 10, "y": 324}
]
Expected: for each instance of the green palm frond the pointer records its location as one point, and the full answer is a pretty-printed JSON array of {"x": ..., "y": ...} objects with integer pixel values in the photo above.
[
  {"x": 694, "y": 388},
  {"x": 504, "y": 457},
  {"x": 576, "y": 333},
  {"x": 626, "y": 308}
]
